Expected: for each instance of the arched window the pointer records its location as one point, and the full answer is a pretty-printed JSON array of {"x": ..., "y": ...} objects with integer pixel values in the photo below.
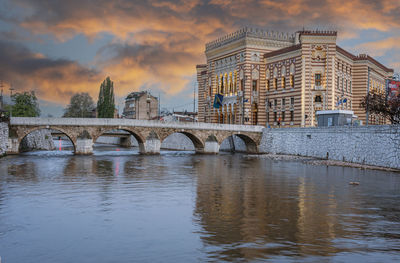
[{"x": 318, "y": 99}]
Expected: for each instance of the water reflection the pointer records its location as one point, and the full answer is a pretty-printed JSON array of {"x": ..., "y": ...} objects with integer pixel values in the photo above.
[{"x": 179, "y": 207}]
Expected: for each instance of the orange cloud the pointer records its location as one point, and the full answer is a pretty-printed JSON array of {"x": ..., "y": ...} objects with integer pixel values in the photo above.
[{"x": 157, "y": 43}]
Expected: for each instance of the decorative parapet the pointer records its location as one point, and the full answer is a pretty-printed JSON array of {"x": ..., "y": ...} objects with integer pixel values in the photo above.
[{"x": 250, "y": 32}]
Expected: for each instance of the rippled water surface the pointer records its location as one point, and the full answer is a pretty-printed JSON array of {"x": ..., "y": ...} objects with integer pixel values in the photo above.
[{"x": 119, "y": 206}]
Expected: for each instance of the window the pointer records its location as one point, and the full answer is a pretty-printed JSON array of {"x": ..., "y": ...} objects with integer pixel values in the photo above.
[
  {"x": 276, "y": 84},
  {"x": 267, "y": 116},
  {"x": 242, "y": 84},
  {"x": 275, "y": 117},
  {"x": 275, "y": 103},
  {"x": 350, "y": 86},
  {"x": 318, "y": 99},
  {"x": 283, "y": 102},
  {"x": 318, "y": 79},
  {"x": 292, "y": 81},
  {"x": 267, "y": 84},
  {"x": 254, "y": 85},
  {"x": 337, "y": 83},
  {"x": 291, "y": 101},
  {"x": 283, "y": 116},
  {"x": 346, "y": 85},
  {"x": 291, "y": 115},
  {"x": 283, "y": 82}
]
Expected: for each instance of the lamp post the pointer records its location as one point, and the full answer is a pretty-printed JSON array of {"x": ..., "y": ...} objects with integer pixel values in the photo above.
[{"x": 11, "y": 91}]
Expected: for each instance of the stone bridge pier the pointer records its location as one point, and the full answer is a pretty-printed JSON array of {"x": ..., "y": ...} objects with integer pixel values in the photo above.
[{"x": 83, "y": 133}]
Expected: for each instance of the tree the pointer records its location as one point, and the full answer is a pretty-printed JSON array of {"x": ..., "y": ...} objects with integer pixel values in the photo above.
[
  {"x": 81, "y": 105},
  {"x": 379, "y": 104},
  {"x": 106, "y": 104},
  {"x": 24, "y": 105}
]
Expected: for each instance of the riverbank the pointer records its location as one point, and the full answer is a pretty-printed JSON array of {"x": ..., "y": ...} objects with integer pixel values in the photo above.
[{"x": 318, "y": 161}]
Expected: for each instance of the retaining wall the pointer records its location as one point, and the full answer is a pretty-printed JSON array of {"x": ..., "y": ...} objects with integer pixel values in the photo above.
[
  {"x": 3, "y": 138},
  {"x": 372, "y": 145},
  {"x": 38, "y": 140}
]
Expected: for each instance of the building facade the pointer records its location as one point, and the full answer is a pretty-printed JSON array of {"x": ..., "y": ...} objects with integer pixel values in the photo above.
[
  {"x": 141, "y": 106},
  {"x": 277, "y": 79}
]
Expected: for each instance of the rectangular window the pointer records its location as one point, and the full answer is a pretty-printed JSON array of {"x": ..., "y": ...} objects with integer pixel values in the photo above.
[
  {"x": 283, "y": 116},
  {"x": 350, "y": 86},
  {"x": 254, "y": 85},
  {"x": 346, "y": 85},
  {"x": 267, "y": 84},
  {"x": 275, "y": 103},
  {"x": 275, "y": 117},
  {"x": 242, "y": 84},
  {"x": 292, "y": 81},
  {"x": 267, "y": 116},
  {"x": 318, "y": 79},
  {"x": 291, "y": 115},
  {"x": 283, "y": 82},
  {"x": 337, "y": 84},
  {"x": 275, "y": 84},
  {"x": 292, "y": 101},
  {"x": 283, "y": 102}
]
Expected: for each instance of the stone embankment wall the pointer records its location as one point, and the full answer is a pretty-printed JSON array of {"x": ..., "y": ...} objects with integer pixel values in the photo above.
[
  {"x": 372, "y": 145},
  {"x": 3, "y": 138},
  {"x": 38, "y": 140}
]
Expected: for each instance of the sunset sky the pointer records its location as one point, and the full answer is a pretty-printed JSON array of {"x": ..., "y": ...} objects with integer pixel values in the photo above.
[{"x": 58, "y": 48}]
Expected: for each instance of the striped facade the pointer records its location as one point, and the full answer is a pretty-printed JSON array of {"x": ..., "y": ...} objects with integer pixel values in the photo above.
[{"x": 276, "y": 79}]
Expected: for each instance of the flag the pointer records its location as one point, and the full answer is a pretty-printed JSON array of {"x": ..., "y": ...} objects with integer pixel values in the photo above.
[
  {"x": 245, "y": 100},
  {"x": 345, "y": 100},
  {"x": 218, "y": 100}
]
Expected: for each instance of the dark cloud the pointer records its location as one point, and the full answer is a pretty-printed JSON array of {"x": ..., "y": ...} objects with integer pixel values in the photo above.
[{"x": 159, "y": 42}]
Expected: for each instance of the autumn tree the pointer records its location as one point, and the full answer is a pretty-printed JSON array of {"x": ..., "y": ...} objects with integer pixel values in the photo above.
[
  {"x": 106, "y": 103},
  {"x": 81, "y": 106},
  {"x": 379, "y": 104}
]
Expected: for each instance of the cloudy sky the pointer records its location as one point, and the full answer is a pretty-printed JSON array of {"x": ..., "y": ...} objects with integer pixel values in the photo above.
[{"x": 58, "y": 48}]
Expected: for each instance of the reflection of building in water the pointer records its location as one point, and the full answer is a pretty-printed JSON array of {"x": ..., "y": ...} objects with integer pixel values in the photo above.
[
  {"x": 260, "y": 205},
  {"x": 273, "y": 78}
]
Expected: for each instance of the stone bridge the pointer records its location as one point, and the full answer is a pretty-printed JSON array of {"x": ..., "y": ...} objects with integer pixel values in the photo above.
[{"x": 83, "y": 132}]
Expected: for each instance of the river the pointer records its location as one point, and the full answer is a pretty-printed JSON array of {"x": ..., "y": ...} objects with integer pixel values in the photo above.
[{"x": 119, "y": 206}]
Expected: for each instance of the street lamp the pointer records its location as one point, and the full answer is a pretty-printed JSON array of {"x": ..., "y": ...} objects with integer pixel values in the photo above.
[{"x": 11, "y": 90}]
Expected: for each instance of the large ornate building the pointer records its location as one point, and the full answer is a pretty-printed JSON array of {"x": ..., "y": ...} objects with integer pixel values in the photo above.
[{"x": 271, "y": 78}]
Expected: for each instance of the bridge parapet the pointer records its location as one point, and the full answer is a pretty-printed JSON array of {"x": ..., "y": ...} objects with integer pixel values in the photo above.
[{"x": 28, "y": 121}]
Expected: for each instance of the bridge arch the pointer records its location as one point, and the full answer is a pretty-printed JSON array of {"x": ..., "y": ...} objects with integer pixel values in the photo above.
[
  {"x": 27, "y": 132},
  {"x": 138, "y": 136},
  {"x": 250, "y": 143},
  {"x": 197, "y": 142}
]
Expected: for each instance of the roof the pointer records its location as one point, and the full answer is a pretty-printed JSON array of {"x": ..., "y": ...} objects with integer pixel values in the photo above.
[
  {"x": 318, "y": 33},
  {"x": 138, "y": 94},
  {"x": 372, "y": 60},
  {"x": 344, "y": 52},
  {"x": 282, "y": 51}
]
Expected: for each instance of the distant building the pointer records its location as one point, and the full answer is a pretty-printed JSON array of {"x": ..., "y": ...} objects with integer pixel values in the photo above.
[
  {"x": 180, "y": 116},
  {"x": 141, "y": 106},
  {"x": 280, "y": 79}
]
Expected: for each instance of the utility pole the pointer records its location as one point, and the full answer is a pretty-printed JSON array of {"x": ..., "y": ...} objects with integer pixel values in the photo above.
[
  {"x": 367, "y": 111},
  {"x": 159, "y": 105},
  {"x": 194, "y": 97}
]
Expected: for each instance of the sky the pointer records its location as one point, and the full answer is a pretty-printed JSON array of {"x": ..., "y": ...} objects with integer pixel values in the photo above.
[{"x": 59, "y": 48}]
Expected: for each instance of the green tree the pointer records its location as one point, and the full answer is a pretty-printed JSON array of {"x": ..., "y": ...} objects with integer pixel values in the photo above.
[
  {"x": 81, "y": 105},
  {"x": 24, "y": 105},
  {"x": 106, "y": 104}
]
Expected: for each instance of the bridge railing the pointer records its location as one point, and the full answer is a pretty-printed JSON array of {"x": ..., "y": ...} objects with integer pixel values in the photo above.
[{"x": 130, "y": 123}]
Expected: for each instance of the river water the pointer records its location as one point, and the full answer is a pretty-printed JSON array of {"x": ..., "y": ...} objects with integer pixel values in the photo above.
[{"x": 119, "y": 206}]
